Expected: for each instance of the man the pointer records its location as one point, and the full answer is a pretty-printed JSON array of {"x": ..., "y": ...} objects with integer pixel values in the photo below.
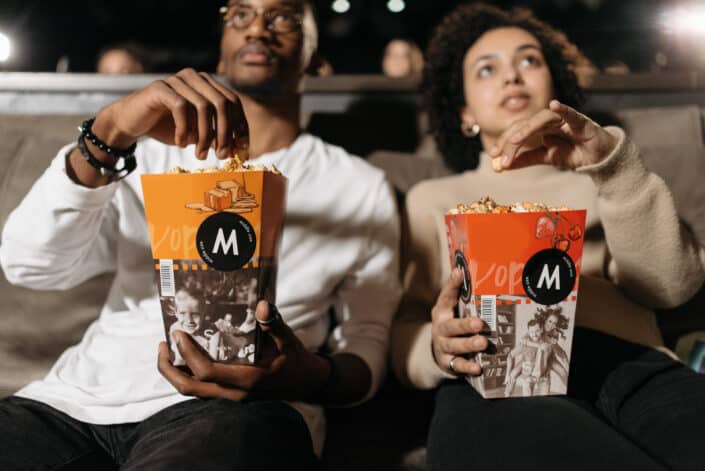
[{"x": 103, "y": 400}]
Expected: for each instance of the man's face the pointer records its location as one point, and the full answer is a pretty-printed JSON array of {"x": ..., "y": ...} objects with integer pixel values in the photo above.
[
  {"x": 257, "y": 59},
  {"x": 188, "y": 312},
  {"x": 535, "y": 332}
]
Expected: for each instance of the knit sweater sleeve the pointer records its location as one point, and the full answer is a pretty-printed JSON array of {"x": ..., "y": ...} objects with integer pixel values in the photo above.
[
  {"x": 651, "y": 254},
  {"x": 411, "y": 354}
]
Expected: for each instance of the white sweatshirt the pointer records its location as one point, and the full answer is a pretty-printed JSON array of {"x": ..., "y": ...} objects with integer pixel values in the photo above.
[{"x": 338, "y": 248}]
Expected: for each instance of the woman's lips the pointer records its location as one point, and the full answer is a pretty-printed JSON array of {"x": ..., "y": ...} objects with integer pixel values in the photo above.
[{"x": 516, "y": 102}]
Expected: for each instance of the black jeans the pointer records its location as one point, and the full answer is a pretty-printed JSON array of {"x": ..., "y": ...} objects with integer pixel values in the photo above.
[
  {"x": 628, "y": 408},
  {"x": 209, "y": 434}
]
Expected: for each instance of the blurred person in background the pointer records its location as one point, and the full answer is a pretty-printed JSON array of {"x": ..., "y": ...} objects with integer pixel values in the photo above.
[
  {"x": 402, "y": 58},
  {"x": 120, "y": 59}
]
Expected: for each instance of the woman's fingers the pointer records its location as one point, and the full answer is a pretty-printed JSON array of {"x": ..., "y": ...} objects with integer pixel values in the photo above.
[
  {"x": 553, "y": 152},
  {"x": 461, "y": 366},
  {"x": 461, "y": 327},
  {"x": 576, "y": 121},
  {"x": 462, "y": 345},
  {"x": 527, "y": 135},
  {"x": 448, "y": 299}
]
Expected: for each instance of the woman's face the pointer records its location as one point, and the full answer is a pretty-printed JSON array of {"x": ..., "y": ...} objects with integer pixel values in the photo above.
[
  {"x": 505, "y": 78},
  {"x": 397, "y": 59},
  {"x": 551, "y": 322}
]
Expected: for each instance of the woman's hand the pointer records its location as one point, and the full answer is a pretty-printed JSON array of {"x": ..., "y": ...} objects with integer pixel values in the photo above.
[
  {"x": 454, "y": 338},
  {"x": 557, "y": 136}
]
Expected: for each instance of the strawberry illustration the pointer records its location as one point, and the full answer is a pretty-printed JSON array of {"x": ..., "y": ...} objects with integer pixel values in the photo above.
[
  {"x": 575, "y": 232},
  {"x": 561, "y": 243},
  {"x": 545, "y": 227}
]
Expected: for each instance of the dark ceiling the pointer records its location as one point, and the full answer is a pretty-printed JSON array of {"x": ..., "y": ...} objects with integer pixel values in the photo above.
[{"x": 180, "y": 33}]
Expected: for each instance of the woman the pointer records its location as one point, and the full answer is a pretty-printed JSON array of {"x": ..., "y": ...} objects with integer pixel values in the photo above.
[
  {"x": 501, "y": 86},
  {"x": 402, "y": 58}
]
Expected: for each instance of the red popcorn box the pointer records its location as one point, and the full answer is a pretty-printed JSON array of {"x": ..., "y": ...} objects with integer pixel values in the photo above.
[{"x": 521, "y": 266}]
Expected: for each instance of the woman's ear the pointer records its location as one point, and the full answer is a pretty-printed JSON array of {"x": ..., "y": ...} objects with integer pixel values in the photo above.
[{"x": 466, "y": 117}]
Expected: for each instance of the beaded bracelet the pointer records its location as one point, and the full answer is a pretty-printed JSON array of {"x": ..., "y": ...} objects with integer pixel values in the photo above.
[
  {"x": 86, "y": 132},
  {"x": 113, "y": 173}
]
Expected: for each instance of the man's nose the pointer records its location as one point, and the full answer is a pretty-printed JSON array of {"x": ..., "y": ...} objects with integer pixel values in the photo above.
[{"x": 258, "y": 28}]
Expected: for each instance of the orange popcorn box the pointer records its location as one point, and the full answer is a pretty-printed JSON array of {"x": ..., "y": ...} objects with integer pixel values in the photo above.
[
  {"x": 214, "y": 239},
  {"x": 520, "y": 276}
]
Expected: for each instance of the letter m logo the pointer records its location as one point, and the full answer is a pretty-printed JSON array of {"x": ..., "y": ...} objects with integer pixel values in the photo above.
[
  {"x": 550, "y": 278},
  {"x": 226, "y": 245}
]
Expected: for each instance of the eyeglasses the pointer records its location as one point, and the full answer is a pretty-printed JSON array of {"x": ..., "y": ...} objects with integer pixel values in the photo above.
[{"x": 278, "y": 20}]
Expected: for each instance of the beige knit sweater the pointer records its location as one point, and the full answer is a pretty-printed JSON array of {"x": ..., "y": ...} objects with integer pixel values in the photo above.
[{"x": 636, "y": 256}]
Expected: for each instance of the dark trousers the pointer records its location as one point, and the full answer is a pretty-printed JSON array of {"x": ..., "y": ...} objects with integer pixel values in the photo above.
[
  {"x": 209, "y": 434},
  {"x": 628, "y": 408}
]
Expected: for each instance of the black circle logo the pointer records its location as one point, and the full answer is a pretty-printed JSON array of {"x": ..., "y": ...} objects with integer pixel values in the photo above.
[
  {"x": 226, "y": 241},
  {"x": 466, "y": 288},
  {"x": 549, "y": 276}
]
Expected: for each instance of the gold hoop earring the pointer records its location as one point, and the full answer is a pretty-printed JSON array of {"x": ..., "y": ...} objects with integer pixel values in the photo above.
[{"x": 470, "y": 131}]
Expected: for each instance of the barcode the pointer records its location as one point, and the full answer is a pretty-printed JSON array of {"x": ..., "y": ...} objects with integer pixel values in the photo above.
[
  {"x": 166, "y": 277},
  {"x": 488, "y": 311}
]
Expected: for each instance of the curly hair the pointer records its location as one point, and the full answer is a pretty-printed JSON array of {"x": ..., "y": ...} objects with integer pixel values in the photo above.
[
  {"x": 562, "y": 322},
  {"x": 443, "y": 75}
]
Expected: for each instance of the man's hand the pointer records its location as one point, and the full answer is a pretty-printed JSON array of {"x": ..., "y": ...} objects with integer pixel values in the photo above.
[
  {"x": 557, "y": 136},
  {"x": 287, "y": 370},
  {"x": 186, "y": 108},
  {"x": 453, "y": 338}
]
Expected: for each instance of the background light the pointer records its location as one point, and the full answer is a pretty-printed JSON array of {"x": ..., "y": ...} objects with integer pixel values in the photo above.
[
  {"x": 4, "y": 48},
  {"x": 341, "y": 6},
  {"x": 396, "y": 6},
  {"x": 689, "y": 21}
]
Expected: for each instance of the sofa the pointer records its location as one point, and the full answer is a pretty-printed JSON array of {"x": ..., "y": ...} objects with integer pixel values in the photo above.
[{"x": 387, "y": 432}]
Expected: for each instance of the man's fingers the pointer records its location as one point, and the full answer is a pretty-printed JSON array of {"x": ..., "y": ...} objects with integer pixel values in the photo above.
[
  {"x": 178, "y": 106},
  {"x": 220, "y": 103},
  {"x": 271, "y": 322},
  {"x": 196, "y": 360},
  {"x": 204, "y": 113},
  {"x": 241, "y": 130},
  {"x": 188, "y": 385}
]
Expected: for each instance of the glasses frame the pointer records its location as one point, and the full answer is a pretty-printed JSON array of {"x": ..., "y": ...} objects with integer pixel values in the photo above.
[{"x": 266, "y": 14}]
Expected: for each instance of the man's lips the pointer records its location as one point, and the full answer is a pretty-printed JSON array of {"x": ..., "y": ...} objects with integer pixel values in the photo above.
[{"x": 255, "y": 54}]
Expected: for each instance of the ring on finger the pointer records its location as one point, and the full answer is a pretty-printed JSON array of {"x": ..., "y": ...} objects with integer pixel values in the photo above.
[{"x": 451, "y": 367}]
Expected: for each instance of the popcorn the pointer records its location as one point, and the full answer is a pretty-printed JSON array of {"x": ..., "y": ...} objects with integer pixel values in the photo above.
[
  {"x": 487, "y": 205},
  {"x": 497, "y": 164},
  {"x": 237, "y": 163}
]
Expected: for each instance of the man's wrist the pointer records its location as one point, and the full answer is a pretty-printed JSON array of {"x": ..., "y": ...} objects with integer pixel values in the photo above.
[{"x": 105, "y": 129}]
